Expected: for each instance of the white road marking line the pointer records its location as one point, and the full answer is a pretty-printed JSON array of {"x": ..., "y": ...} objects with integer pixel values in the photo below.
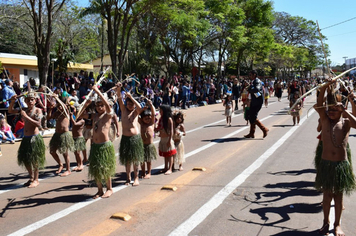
[
  {"x": 200, "y": 215},
  {"x": 39, "y": 224},
  {"x": 332, "y": 216},
  {"x": 32, "y": 227},
  {"x": 17, "y": 186}
]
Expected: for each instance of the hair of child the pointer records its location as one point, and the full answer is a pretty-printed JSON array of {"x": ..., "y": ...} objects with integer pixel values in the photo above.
[
  {"x": 177, "y": 114},
  {"x": 166, "y": 114},
  {"x": 146, "y": 112}
]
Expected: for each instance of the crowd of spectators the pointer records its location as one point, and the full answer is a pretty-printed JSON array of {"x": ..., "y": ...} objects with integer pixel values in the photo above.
[{"x": 179, "y": 91}]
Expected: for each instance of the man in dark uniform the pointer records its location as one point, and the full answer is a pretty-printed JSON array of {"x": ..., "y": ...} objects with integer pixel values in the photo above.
[
  {"x": 236, "y": 91},
  {"x": 256, "y": 92}
]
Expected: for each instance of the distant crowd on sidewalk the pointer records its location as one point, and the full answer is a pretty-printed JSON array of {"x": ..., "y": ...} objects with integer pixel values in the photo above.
[{"x": 179, "y": 91}]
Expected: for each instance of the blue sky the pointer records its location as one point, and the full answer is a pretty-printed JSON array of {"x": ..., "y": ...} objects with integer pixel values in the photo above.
[{"x": 340, "y": 38}]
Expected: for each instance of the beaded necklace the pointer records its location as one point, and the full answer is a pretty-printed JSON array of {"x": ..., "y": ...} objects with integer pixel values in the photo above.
[{"x": 332, "y": 133}]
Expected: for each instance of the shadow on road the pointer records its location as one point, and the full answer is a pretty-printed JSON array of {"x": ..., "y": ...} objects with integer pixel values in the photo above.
[
  {"x": 294, "y": 172},
  {"x": 35, "y": 201},
  {"x": 267, "y": 203},
  {"x": 224, "y": 140},
  {"x": 283, "y": 212},
  {"x": 282, "y": 126}
]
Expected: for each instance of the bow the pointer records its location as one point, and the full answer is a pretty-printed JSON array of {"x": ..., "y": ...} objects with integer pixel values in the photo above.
[
  {"x": 317, "y": 87},
  {"x": 81, "y": 106},
  {"x": 59, "y": 101}
]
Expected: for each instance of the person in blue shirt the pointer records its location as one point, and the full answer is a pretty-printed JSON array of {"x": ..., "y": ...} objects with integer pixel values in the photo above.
[{"x": 185, "y": 94}]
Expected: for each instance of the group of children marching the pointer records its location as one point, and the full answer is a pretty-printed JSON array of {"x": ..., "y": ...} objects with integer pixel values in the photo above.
[{"x": 101, "y": 127}]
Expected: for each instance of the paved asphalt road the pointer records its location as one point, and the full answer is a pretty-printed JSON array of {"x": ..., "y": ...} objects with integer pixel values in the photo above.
[{"x": 250, "y": 186}]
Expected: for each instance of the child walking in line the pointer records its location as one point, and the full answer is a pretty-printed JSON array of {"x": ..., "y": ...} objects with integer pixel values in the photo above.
[
  {"x": 62, "y": 140},
  {"x": 131, "y": 145},
  {"x": 147, "y": 123},
  {"x": 297, "y": 110},
  {"x": 79, "y": 142},
  {"x": 102, "y": 154},
  {"x": 227, "y": 103},
  {"x": 31, "y": 153},
  {"x": 266, "y": 94},
  {"x": 245, "y": 99},
  {"x": 179, "y": 132},
  {"x": 166, "y": 144},
  {"x": 334, "y": 176}
]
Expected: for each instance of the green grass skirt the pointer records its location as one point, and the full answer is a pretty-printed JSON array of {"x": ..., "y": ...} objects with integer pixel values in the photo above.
[
  {"x": 131, "y": 150},
  {"x": 102, "y": 161},
  {"x": 319, "y": 151},
  {"x": 79, "y": 144},
  {"x": 31, "y": 152},
  {"x": 247, "y": 113},
  {"x": 62, "y": 142},
  {"x": 150, "y": 152},
  {"x": 335, "y": 177}
]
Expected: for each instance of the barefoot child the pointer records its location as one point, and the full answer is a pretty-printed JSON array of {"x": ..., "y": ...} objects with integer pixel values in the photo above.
[
  {"x": 334, "y": 173},
  {"x": 297, "y": 110},
  {"x": 245, "y": 99},
  {"x": 31, "y": 153},
  {"x": 147, "y": 122},
  {"x": 227, "y": 103},
  {"x": 179, "y": 132},
  {"x": 166, "y": 144},
  {"x": 102, "y": 154},
  {"x": 79, "y": 142},
  {"x": 131, "y": 145},
  {"x": 62, "y": 140}
]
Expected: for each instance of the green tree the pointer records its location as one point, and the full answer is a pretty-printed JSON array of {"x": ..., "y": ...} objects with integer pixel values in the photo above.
[
  {"x": 226, "y": 18},
  {"x": 121, "y": 17},
  {"x": 43, "y": 14},
  {"x": 303, "y": 35},
  {"x": 15, "y": 35},
  {"x": 183, "y": 27},
  {"x": 75, "y": 37},
  {"x": 258, "y": 35}
]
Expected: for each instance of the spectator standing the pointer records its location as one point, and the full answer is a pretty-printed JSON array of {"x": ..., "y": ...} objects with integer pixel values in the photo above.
[
  {"x": 236, "y": 92},
  {"x": 185, "y": 93}
]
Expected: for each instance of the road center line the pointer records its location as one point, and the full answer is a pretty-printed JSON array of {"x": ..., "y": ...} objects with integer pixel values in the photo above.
[{"x": 200, "y": 215}]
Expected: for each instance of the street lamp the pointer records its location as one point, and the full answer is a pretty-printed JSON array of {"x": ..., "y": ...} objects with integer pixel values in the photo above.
[{"x": 345, "y": 61}]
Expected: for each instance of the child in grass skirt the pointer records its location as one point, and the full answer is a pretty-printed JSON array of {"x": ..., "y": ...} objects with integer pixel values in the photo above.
[
  {"x": 246, "y": 99},
  {"x": 131, "y": 145},
  {"x": 335, "y": 176},
  {"x": 147, "y": 123},
  {"x": 297, "y": 110},
  {"x": 79, "y": 142},
  {"x": 102, "y": 159},
  {"x": 31, "y": 153},
  {"x": 62, "y": 140}
]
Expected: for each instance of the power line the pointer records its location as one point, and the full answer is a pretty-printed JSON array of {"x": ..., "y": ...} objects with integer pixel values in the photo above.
[
  {"x": 339, "y": 23},
  {"x": 341, "y": 34}
]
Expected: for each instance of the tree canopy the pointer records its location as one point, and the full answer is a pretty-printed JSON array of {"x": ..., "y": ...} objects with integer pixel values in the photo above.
[{"x": 162, "y": 36}]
